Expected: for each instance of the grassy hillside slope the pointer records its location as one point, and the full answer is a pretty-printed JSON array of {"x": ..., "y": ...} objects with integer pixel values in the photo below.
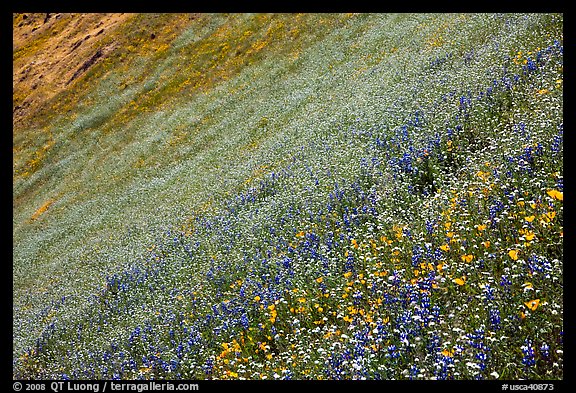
[{"x": 288, "y": 196}]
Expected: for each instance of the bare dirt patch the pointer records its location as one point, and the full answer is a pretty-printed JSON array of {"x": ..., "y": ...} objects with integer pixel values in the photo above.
[{"x": 51, "y": 50}]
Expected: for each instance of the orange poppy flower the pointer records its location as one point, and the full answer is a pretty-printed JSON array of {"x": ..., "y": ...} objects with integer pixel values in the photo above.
[
  {"x": 533, "y": 304},
  {"x": 556, "y": 194}
]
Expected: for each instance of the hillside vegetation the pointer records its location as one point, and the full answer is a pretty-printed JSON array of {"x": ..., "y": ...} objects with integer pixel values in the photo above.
[{"x": 288, "y": 196}]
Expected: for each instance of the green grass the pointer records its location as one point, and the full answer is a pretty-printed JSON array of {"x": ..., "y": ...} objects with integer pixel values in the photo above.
[{"x": 182, "y": 179}]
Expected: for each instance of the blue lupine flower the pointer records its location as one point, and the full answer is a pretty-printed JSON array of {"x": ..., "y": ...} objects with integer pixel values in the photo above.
[
  {"x": 208, "y": 367},
  {"x": 430, "y": 226},
  {"x": 495, "y": 318},
  {"x": 393, "y": 352},
  {"x": 489, "y": 292},
  {"x": 244, "y": 321},
  {"x": 528, "y": 351},
  {"x": 413, "y": 372}
]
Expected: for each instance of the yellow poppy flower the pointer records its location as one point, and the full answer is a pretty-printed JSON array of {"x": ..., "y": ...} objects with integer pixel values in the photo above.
[
  {"x": 445, "y": 247},
  {"x": 467, "y": 258},
  {"x": 556, "y": 194},
  {"x": 533, "y": 304},
  {"x": 460, "y": 281},
  {"x": 530, "y": 218},
  {"x": 480, "y": 227},
  {"x": 513, "y": 254},
  {"x": 319, "y": 280}
]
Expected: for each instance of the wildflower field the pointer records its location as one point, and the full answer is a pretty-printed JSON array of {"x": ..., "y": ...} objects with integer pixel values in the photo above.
[{"x": 297, "y": 196}]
